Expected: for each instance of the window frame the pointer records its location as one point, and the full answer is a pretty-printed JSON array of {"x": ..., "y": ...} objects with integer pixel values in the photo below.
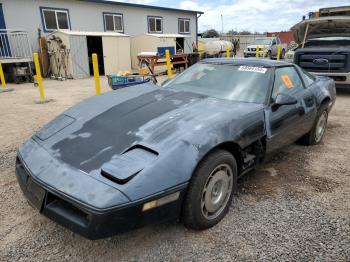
[
  {"x": 189, "y": 26},
  {"x": 271, "y": 100},
  {"x": 61, "y": 10},
  {"x": 113, "y": 15},
  {"x": 148, "y": 24}
]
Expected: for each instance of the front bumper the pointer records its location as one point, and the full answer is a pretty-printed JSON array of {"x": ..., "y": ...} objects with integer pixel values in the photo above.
[
  {"x": 342, "y": 79},
  {"x": 253, "y": 53},
  {"x": 93, "y": 223}
]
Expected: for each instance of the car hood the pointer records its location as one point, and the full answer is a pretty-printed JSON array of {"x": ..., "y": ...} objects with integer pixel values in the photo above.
[
  {"x": 322, "y": 27},
  {"x": 97, "y": 130}
]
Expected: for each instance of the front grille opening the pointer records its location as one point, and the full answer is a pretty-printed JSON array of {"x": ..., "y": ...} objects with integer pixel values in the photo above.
[
  {"x": 64, "y": 209},
  {"x": 336, "y": 61}
]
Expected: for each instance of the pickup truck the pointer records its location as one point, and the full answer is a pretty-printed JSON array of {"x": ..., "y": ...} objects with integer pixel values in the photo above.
[
  {"x": 324, "y": 47},
  {"x": 267, "y": 47}
]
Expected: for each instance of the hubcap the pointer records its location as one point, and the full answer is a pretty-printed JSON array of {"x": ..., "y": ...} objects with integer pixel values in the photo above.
[
  {"x": 217, "y": 191},
  {"x": 321, "y": 127}
]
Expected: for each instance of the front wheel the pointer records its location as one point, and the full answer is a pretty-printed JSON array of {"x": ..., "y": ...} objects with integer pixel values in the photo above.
[
  {"x": 210, "y": 191},
  {"x": 269, "y": 55},
  {"x": 318, "y": 130}
]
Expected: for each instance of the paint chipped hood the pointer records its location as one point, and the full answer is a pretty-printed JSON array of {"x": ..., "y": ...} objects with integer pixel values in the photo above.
[
  {"x": 131, "y": 138},
  {"x": 333, "y": 26}
]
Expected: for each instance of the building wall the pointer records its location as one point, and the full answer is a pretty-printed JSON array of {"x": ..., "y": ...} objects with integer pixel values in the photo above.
[
  {"x": 85, "y": 16},
  {"x": 286, "y": 37}
]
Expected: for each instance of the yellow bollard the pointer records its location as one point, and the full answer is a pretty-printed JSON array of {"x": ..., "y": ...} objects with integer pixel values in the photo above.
[
  {"x": 39, "y": 77},
  {"x": 264, "y": 51},
  {"x": 168, "y": 64},
  {"x": 2, "y": 77},
  {"x": 257, "y": 51},
  {"x": 96, "y": 74},
  {"x": 278, "y": 52},
  {"x": 228, "y": 52}
]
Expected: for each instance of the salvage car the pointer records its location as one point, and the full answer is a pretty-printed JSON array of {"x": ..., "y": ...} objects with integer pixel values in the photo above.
[{"x": 145, "y": 154}]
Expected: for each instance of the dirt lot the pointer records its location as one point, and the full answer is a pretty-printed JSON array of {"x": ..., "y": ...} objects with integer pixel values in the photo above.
[{"x": 295, "y": 207}]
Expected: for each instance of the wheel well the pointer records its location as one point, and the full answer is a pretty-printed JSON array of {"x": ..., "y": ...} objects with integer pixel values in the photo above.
[
  {"x": 234, "y": 149},
  {"x": 257, "y": 148},
  {"x": 325, "y": 100}
]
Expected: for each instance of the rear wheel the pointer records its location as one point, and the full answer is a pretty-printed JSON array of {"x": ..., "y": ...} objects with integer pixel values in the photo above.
[
  {"x": 210, "y": 191},
  {"x": 318, "y": 130},
  {"x": 283, "y": 53}
]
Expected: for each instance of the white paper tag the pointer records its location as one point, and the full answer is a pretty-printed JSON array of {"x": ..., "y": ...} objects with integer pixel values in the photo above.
[{"x": 255, "y": 69}]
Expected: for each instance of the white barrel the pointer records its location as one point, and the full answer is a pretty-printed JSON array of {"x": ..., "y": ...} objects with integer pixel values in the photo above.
[{"x": 217, "y": 47}]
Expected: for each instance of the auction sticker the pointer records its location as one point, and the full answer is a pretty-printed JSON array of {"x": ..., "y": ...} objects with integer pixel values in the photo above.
[
  {"x": 287, "y": 82},
  {"x": 255, "y": 69}
]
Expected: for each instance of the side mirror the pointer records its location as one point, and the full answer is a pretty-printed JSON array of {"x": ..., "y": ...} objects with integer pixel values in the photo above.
[{"x": 284, "y": 99}]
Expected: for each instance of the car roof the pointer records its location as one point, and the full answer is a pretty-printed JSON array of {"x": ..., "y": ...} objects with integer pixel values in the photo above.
[{"x": 246, "y": 61}]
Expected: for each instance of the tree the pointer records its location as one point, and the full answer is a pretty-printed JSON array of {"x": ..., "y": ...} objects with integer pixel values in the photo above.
[
  {"x": 245, "y": 32},
  {"x": 232, "y": 32},
  {"x": 210, "y": 33}
]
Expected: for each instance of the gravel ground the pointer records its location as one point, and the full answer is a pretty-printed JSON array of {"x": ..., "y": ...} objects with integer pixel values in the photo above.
[{"x": 294, "y": 207}]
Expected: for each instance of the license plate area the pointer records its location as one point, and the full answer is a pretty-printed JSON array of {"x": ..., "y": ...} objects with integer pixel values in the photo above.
[{"x": 35, "y": 194}]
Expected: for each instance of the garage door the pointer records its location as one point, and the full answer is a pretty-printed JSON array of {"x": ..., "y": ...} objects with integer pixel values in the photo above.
[{"x": 116, "y": 51}]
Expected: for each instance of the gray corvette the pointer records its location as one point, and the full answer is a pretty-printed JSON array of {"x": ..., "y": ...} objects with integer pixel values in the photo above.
[{"x": 144, "y": 154}]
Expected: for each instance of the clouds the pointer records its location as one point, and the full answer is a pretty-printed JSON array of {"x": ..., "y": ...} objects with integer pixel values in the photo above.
[
  {"x": 252, "y": 15},
  {"x": 255, "y": 15}
]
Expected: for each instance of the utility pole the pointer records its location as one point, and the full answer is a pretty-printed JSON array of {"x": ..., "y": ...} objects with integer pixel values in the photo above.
[{"x": 222, "y": 25}]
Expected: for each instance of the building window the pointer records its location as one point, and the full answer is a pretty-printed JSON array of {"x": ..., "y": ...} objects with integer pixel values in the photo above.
[
  {"x": 184, "y": 26},
  {"x": 113, "y": 22},
  {"x": 155, "y": 24},
  {"x": 55, "y": 19}
]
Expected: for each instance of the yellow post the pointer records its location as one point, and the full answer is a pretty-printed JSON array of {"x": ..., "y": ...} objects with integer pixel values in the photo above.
[
  {"x": 39, "y": 77},
  {"x": 264, "y": 51},
  {"x": 257, "y": 51},
  {"x": 96, "y": 74},
  {"x": 168, "y": 64},
  {"x": 2, "y": 77},
  {"x": 228, "y": 52},
  {"x": 278, "y": 52}
]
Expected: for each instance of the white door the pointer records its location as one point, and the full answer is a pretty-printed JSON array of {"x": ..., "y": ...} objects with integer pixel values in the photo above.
[{"x": 116, "y": 53}]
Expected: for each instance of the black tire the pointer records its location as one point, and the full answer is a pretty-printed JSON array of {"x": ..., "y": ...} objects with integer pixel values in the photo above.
[
  {"x": 268, "y": 55},
  {"x": 311, "y": 138},
  {"x": 283, "y": 53},
  {"x": 193, "y": 216}
]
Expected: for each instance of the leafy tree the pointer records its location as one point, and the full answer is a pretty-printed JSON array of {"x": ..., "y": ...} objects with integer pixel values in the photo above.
[
  {"x": 211, "y": 33},
  {"x": 245, "y": 32},
  {"x": 232, "y": 32}
]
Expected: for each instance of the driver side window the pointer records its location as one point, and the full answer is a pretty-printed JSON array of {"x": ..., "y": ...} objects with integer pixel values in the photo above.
[{"x": 287, "y": 81}]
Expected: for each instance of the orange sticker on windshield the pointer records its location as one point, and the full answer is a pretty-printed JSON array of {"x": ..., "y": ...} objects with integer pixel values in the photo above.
[{"x": 287, "y": 82}]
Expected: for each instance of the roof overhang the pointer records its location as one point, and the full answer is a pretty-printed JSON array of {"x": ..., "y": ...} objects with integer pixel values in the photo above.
[
  {"x": 142, "y": 6},
  {"x": 322, "y": 27},
  {"x": 86, "y": 33},
  {"x": 169, "y": 35}
]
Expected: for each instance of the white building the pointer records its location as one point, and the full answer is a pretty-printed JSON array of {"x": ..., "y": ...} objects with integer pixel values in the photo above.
[
  {"x": 95, "y": 16},
  {"x": 47, "y": 16}
]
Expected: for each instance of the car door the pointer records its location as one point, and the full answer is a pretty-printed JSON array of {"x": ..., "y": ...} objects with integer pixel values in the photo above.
[{"x": 286, "y": 123}]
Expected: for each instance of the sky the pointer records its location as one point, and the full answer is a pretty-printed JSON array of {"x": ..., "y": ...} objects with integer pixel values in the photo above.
[{"x": 251, "y": 15}]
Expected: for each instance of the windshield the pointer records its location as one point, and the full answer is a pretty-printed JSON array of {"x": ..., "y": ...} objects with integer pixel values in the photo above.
[
  {"x": 328, "y": 41},
  {"x": 262, "y": 41},
  {"x": 230, "y": 82}
]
